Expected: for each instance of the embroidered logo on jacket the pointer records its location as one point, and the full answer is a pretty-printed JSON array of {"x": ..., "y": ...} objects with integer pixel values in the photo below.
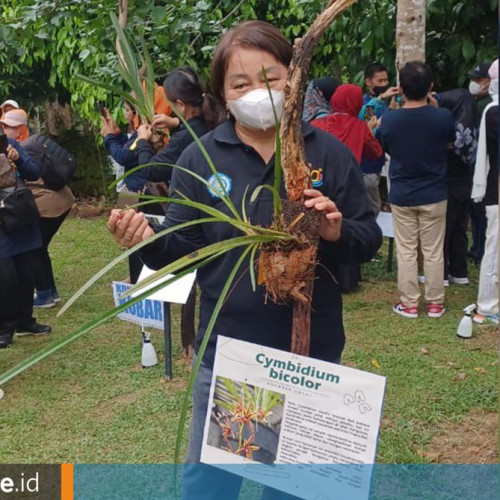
[
  {"x": 317, "y": 177},
  {"x": 219, "y": 184}
]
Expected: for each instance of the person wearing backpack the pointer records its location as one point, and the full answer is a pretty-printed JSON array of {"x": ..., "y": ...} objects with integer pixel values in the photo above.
[
  {"x": 18, "y": 258},
  {"x": 53, "y": 197}
]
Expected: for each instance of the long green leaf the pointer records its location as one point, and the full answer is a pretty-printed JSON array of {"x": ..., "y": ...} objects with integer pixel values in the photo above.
[
  {"x": 202, "y": 253},
  {"x": 252, "y": 267},
  {"x": 198, "y": 177},
  {"x": 278, "y": 209},
  {"x": 204, "y": 152},
  {"x": 70, "y": 337},
  {"x": 112, "y": 88},
  {"x": 124, "y": 255},
  {"x": 243, "y": 205},
  {"x": 201, "y": 352}
]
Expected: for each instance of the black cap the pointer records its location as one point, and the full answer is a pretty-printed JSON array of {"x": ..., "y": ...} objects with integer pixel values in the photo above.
[{"x": 481, "y": 71}]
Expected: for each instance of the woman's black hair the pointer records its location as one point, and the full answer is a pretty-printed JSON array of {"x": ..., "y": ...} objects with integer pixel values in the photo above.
[
  {"x": 185, "y": 85},
  {"x": 131, "y": 106}
]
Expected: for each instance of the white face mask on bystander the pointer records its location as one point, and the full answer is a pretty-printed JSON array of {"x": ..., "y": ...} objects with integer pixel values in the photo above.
[
  {"x": 254, "y": 110},
  {"x": 475, "y": 88}
]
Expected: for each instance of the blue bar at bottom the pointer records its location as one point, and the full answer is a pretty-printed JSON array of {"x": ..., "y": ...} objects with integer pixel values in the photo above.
[{"x": 286, "y": 482}]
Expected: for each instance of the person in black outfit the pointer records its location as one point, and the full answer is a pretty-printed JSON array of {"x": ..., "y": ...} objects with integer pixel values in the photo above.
[
  {"x": 461, "y": 161},
  {"x": 18, "y": 260},
  {"x": 184, "y": 90},
  {"x": 243, "y": 150}
]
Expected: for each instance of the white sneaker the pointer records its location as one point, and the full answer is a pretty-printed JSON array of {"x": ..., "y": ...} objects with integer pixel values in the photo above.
[
  {"x": 458, "y": 281},
  {"x": 421, "y": 279}
]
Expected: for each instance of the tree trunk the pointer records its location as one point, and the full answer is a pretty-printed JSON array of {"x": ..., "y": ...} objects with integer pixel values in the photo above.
[
  {"x": 410, "y": 32},
  {"x": 57, "y": 118},
  {"x": 296, "y": 169}
]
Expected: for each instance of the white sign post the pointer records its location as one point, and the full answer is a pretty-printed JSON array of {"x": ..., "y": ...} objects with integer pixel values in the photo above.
[
  {"x": 154, "y": 311},
  {"x": 384, "y": 220},
  {"x": 308, "y": 426}
]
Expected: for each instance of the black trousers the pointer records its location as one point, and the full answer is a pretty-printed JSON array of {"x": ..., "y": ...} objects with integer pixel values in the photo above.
[
  {"x": 44, "y": 277},
  {"x": 455, "y": 239},
  {"x": 17, "y": 284}
]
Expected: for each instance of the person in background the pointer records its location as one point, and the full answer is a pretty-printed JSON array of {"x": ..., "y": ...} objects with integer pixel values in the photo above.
[
  {"x": 417, "y": 138},
  {"x": 18, "y": 260},
  {"x": 485, "y": 189},
  {"x": 184, "y": 90},
  {"x": 243, "y": 149},
  {"x": 15, "y": 124},
  {"x": 7, "y": 106},
  {"x": 478, "y": 87},
  {"x": 376, "y": 101},
  {"x": 53, "y": 208},
  {"x": 119, "y": 144},
  {"x": 461, "y": 160},
  {"x": 357, "y": 135},
  {"x": 344, "y": 124},
  {"x": 317, "y": 98}
]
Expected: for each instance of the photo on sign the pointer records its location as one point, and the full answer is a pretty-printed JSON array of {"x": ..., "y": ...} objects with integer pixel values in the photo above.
[{"x": 246, "y": 420}]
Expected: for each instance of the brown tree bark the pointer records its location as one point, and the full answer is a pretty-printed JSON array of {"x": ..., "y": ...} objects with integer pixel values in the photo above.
[
  {"x": 122, "y": 21},
  {"x": 294, "y": 163},
  {"x": 296, "y": 169},
  {"x": 410, "y": 32}
]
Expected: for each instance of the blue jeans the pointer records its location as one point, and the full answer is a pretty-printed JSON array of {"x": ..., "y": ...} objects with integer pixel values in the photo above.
[{"x": 204, "y": 482}]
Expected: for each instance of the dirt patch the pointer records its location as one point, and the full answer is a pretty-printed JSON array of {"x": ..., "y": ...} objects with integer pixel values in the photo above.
[
  {"x": 473, "y": 440},
  {"x": 109, "y": 407},
  {"x": 90, "y": 207},
  {"x": 485, "y": 336}
]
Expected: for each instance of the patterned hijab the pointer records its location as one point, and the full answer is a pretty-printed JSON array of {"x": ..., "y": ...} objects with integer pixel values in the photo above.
[{"x": 317, "y": 98}]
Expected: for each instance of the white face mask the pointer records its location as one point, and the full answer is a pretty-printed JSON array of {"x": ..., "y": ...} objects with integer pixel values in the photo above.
[
  {"x": 475, "y": 88},
  {"x": 254, "y": 109}
]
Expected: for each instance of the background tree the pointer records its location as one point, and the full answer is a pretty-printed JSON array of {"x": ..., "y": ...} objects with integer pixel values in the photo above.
[
  {"x": 410, "y": 32},
  {"x": 45, "y": 43}
]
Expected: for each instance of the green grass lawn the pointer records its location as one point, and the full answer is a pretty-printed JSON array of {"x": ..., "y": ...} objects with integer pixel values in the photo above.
[{"x": 93, "y": 402}]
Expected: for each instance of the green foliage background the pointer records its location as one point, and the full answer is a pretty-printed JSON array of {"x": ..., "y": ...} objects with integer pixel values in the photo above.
[{"x": 46, "y": 42}]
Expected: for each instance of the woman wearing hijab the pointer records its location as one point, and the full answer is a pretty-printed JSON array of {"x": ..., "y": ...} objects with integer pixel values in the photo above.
[
  {"x": 343, "y": 123},
  {"x": 317, "y": 98},
  {"x": 461, "y": 159}
]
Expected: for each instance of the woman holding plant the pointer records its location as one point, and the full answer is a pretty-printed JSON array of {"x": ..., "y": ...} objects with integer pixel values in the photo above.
[{"x": 243, "y": 149}]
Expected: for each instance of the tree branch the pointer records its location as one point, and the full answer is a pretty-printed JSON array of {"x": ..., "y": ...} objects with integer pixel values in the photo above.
[{"x": 295, "y": 167}]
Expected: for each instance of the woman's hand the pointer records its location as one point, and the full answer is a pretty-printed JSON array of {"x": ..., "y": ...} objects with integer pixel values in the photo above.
[
  {"x": 331, "y": 218},
  {"x": 109, "y": 126},
  {"x": 164, "y": 121},
  {"x": 12, "y": 153},
  {"x": 372, "y": 123},
  {"x": 144, "y": 131},
  {"x": 129, "y": 227}
]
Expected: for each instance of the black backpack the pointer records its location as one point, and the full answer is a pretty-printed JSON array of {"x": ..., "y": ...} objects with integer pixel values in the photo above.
[{"x": 57, "y": 166}]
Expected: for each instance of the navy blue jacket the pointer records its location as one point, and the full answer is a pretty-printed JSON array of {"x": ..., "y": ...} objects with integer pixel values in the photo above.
[
  {"x": 180, "y": 139},
  {"x": 27, "y": 238},
  {"x": 118, "y": 146},
  {"x": 246, "y": 315}
]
